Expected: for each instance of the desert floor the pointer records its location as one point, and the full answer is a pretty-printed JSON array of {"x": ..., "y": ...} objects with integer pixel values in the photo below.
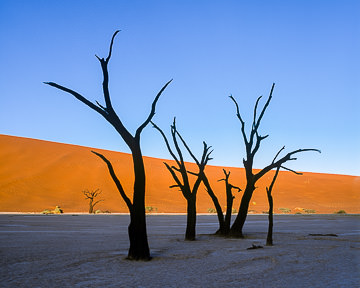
[{"x": 89, "y": 251}]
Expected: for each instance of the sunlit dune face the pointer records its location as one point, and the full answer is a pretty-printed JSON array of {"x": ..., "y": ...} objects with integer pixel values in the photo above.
[{"x": 37, "y": 175}]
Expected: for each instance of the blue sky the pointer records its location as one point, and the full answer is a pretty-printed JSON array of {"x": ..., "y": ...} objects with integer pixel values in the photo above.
[{"x": 211, "y": 49}]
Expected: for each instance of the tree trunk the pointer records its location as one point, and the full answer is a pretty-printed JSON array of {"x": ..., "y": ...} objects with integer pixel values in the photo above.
[
  {"x": 269, "y": 239},
  {"x": 139, "y": 247},
  {"x": 191, "y": 218},
  {"x": 91, "y": 207},
  {"x": 236, "y": 228},
  {"x": 229, "y": 204},
  {"x": 222, "y": 228}
]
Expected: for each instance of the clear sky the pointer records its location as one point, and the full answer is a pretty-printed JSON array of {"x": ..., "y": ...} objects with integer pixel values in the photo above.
[{"x": 211, "y": 49}]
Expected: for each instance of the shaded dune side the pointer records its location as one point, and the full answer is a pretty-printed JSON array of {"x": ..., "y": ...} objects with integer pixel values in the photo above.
[{"x": 37, "y": 175}]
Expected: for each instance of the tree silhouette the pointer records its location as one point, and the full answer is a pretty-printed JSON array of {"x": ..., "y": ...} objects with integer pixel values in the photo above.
[
  {"x": 252, "y": 145},
  {"x": 139, "y": 248},
  {"x": 184, "y": 183},
  {"x": 269, "y": 239},
  {"x": 91, "y": 195},
  {"x": 224, "y": 222}
]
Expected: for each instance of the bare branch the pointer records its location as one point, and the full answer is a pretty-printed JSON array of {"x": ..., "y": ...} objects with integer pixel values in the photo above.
[
  {"x": 206, "y": 155},
  {"x": 241, "y": 120},
  {"x": 182, "y": 187},
  {"x": 102, "y": 107},
  {"x": 116, "y": 180},
  {"x": 297, "y": 173},
  {"x": 186, "y": 146},
  {"x": 277, "y": 154},
  {"x": 264, "y": 109},
  {"x": 79, "y": 97},
  {"x": 176, "y": 144},
  {"x": 258, "y": 142},
  {"x": 193, "y": 173},
  {"x": 152, "y": 112},
  {"x": 255, "y": 108},
  {"x": 97, "y": 202},
  {"x": 111, "y": 44},
  {"x": 235, "y": 187},
  {"x": 166, "y": 142},
  {"x": 104, "y": 67},
  {"x": 174, "y": 186},
  {"x": 278, "y": 163}
]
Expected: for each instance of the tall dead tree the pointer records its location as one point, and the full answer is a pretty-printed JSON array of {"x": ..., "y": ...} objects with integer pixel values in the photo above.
[
  {"x": 182, "y": 181},
  {"x": 139, "y": 248},
  {"x": 91, "y": 195},
  {"x": 252, "y": 145}
]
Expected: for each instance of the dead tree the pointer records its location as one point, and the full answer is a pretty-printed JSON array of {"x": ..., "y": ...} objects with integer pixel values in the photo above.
[
  {"x": 91, "y": 195},
  {"x": 182, "y": 181},
  {"x": 252, "y": 145},
  {"x": 224, "y": 222},
  {"x": 229, "y": 199},
  {"x": 269, "y": 239},
  {"x": 139, "y": 248}
]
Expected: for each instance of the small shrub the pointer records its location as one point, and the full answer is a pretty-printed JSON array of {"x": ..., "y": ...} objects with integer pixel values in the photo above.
[
  {"x": 309, "y": 211},
  {"x": 46, "y": 212},
  {"x": 150, "y": 209},
  {"x": 211, "y": 210},
  {"x": 285, "y": 210},
  {"x": 340, "y": 212},
  {"x": 234, "y": 211},
  {"x": 57, "y": 210}
]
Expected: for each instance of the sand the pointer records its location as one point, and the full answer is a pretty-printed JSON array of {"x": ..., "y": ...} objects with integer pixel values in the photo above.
[
  {"x": 36, "y": 175},
  {"x": 89, "y": 251}
]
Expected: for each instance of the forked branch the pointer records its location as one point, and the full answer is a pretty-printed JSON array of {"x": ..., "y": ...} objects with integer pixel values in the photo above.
[{"x": 281, "y": 161}]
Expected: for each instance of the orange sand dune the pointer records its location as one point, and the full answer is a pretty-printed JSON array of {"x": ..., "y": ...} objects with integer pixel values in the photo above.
[{"x": 37, "y": 175}]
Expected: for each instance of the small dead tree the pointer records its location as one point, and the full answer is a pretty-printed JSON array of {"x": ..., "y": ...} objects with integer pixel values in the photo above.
[
  {"x": 229, "y": 199},
  {"x": 269, "y": 239},
  {"x": 252, "y": 145},
  {"x": 182, "y": 181},
  {"x": 224, "y": 222},
  {"x": 139, "y": 248},
  {"x": 91, "y": 195}
]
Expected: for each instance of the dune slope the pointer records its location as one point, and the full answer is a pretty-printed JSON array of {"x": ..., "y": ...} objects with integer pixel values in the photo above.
[{"x": 37, "y": 175}]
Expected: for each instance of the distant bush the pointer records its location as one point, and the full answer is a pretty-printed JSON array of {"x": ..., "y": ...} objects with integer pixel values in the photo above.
[
  {"x": 309, "y": 211},
  {"x": 211, "y": 210},
  {"x": 340, "y": 212},
  {"x": 46, "y": 212},
  {"x": 150, "y": 209},
  {"x": 234, "y": 211},
  {"x": 285, "y": 210},
  {"x": 57, "y": 210}
]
